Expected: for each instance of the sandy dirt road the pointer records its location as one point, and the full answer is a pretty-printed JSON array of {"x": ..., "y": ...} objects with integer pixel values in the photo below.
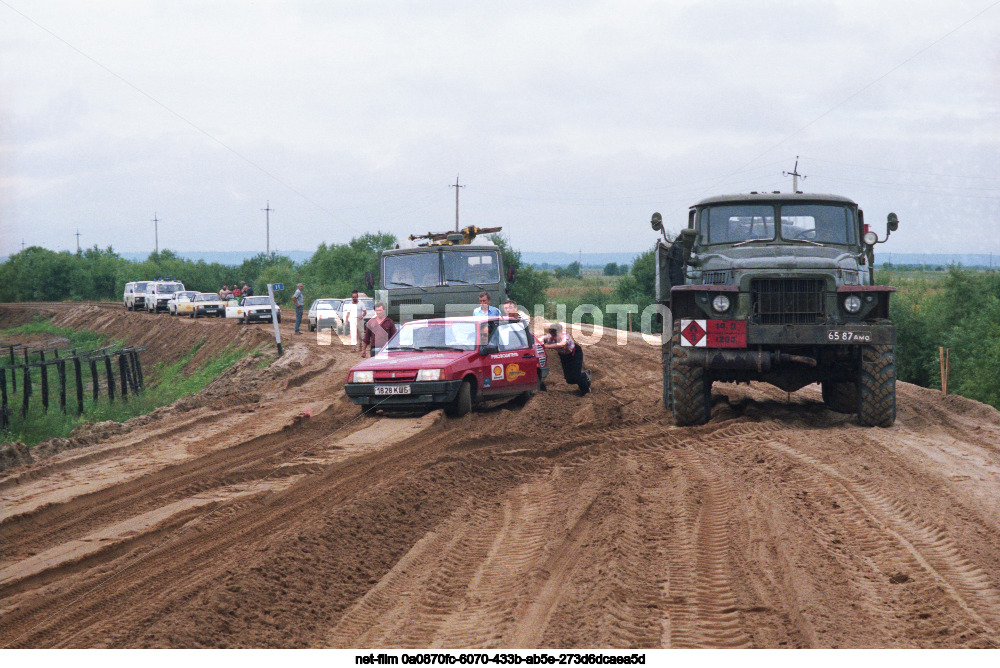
[{"x": 267, "y": 512}]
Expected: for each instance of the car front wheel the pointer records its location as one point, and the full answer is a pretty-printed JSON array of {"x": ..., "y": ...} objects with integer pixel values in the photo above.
[{"x": 462, "y": 403}]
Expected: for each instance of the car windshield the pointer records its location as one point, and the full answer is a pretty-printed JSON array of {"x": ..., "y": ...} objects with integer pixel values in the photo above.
[
  {"x": 207, "y": 297},
  {"x": 185, "y": 295},
  {"x": 257, "y": 301},
  {"x": 324, "y": 304},
  {"x": 141, "y": 287},
  {"x": 418, "y": 269},
  {"x": 434, "y": 335}
]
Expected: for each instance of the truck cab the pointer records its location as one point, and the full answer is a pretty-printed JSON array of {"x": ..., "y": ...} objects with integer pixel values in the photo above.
[
  {"x": 777, "y": 288},
  {"x": 442, "y": 277}
]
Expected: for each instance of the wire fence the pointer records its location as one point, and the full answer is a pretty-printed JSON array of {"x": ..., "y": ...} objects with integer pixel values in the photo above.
[{"x": 76, "y": 372}]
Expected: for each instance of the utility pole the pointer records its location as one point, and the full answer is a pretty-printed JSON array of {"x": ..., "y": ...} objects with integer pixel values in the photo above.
[
  {"x": 156, "y": 233},
  {"x": 456, "y": 187},
  {"x": 22, "y": 243},
  {"x": 795, "y": 175},
  {"x": 78, "y": 241},
  {"x": 268, "y": 211}
]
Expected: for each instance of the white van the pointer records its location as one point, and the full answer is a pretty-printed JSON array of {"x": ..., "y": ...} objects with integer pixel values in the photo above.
[
  {"x": 159, "y": 292},
  {"x": 135, "y": 295}
]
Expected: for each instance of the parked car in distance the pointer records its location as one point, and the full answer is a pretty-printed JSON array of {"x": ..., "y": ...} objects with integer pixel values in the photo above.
[
  {"x": 249, "y": 309},
  {"x": 159, "y": 292},
  {"x": 208, "y": 304},
  {"x": 450, "y": 363},
  {"x": 180, "y": 303},
  {"x": 326, "y": 312},
  {"x": 134, "y": 296}
]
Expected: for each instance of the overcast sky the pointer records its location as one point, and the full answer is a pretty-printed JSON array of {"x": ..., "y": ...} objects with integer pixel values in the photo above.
[{"x": 568, "y": 123}]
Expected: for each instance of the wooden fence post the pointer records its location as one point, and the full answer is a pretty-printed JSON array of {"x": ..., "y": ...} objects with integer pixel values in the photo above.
[
  {"x": 944, "y": 364},
  {"x": 111, "y": 378},
  {"x": 3, "y": 397},
  {"x": 27, "y": 391},
  {"x": 13, "y": 374},
  {"x": 61, "y": 368},
  {"x": 94, "y": 378},
  {"x": 78, "y": 370},
  {"x": 123, "y": 372},
  {"x": 44, "y": 368}
]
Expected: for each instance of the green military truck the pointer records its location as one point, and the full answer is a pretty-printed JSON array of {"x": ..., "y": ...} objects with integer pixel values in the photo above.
[
  {"x": 777, "y": 288},
  {"x": 442, "y": 275}
]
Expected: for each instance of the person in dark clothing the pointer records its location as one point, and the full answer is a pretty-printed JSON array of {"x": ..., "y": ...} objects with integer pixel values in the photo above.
[
  {"x": 570, "y": 357},
  {"x": 378, "y": 331}
]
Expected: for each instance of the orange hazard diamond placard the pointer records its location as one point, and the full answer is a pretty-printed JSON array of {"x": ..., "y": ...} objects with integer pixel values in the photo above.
[
  {"x": 693, "y": 333},
  {"x": 714, "y": 333}
]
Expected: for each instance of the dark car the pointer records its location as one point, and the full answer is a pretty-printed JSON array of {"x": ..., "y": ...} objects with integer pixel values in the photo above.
[{"x": 450, "y": 363}]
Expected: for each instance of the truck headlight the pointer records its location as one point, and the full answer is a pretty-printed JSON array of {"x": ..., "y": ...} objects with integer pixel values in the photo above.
[
  {"x": 720, "y": 303},
  {"x": 429, "y": 374},
  {"x": 852, "y": 304},
  {"x": 870, "y": 238},
  {"x": 363, "y": 377}
]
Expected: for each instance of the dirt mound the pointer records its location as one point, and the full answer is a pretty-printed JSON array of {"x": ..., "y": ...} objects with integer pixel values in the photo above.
[{"x": 269, "y": 512}]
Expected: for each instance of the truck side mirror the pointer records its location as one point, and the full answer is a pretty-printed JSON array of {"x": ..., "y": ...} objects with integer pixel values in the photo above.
[
  {"x": 369, "y": 280},
  {"x": 688, "y": 237},
  {"x": 892, "y": 224},
  {"x": 511, "y": 274},
  {"x": 656, "y": 222}
]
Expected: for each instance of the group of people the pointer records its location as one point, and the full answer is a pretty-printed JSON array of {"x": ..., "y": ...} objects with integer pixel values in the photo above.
[
  {"x": 238, "y": 291},
  {"x": 557, "y": 339}
]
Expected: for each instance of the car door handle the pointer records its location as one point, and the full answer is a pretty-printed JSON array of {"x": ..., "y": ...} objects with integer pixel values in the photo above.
[{"x": 527, "y": 356}]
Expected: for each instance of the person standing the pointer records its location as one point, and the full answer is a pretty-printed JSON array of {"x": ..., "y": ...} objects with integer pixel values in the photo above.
[
  {"x": 356, "y": 312},
  {"x": 378, "y": 331},
  {"x": 570, "y": 357},
  {"x": 484, "y": 308},
  {"x": 299, "y": 301}
]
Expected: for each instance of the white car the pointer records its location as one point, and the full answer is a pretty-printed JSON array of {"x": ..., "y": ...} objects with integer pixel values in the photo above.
[
  {"x": 326, "y": 313},
  {"x": 252, "y": 309},
  {"x": 135, "y": 295},
  {"x": 181, "y": 303},
  {"x": 159, "y": 292}
]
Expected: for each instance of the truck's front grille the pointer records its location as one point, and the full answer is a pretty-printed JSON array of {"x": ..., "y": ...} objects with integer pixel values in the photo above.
[{"x": 783, "y": 301}]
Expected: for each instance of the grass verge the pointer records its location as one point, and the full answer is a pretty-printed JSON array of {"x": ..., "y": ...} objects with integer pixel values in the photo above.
[{"x": 171, "y": 384}]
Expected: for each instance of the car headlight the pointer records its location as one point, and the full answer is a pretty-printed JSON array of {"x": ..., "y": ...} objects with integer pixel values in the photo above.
[
  {"x": 852, "y": 304},
  {"x": 429, "y": 374},
  {"x": 720, "y": 303},
  {"x": 363, "y": 377}
]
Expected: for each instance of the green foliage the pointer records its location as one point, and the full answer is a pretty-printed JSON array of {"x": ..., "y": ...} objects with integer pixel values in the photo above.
[
  {"x": 958, "y": 310},
  {"x": 336, "y": 270},
  {"x": 530, "y": 284},
  {"x": 572, "y": 270}
]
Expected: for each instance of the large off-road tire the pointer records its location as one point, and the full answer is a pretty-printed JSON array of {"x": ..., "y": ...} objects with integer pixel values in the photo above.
[
  {"x": 462, "y": 403},
  {"x": 877, "y": 387},
  {"x": 690, "y": 392},
  {"x": 840, "y": 396}
]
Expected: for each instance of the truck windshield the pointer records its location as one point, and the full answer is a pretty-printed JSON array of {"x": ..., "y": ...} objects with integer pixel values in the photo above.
[
  {"x": 734, "y": 223},
  {"x": 474, "y": 267},
  {"x": 823, "y": 223},
  {"x": 419, "y": 269}
]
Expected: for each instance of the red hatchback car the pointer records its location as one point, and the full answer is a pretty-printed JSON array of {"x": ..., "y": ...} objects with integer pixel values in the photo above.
[{"x": 450, "y": 363}]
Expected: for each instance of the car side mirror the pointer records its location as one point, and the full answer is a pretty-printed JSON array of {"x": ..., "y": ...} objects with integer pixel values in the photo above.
[{"x": 489, "y": 349}]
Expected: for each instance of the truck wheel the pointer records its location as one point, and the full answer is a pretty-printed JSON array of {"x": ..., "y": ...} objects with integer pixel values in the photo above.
[
  {"x": 462, "y": 403},
  {"x": 877, "y": 387},
  {"x": 690, "y": 386},
  {"x": 839, "y": 396}
]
